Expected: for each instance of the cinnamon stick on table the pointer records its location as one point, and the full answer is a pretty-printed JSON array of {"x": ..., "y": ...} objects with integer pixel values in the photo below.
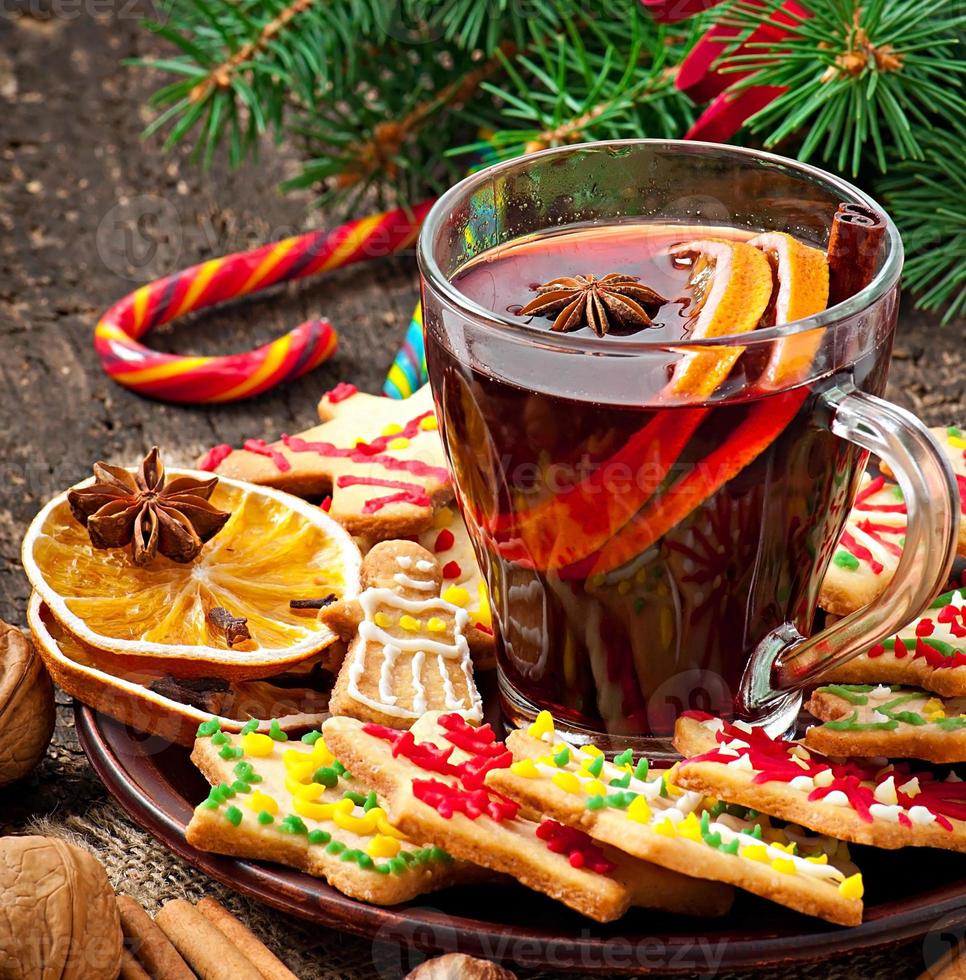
[
  {"x": 853, "y": 250},
  {"x": 257, "y": 953},
  {"x": 206, "y": 948},
  {"x": 131, "y": 969},
  {"x": 148, "y": 944}
]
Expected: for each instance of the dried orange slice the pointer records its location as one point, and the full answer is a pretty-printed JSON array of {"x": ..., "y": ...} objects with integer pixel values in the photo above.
[
  {"x": 731, "y": 283},
  {"x": 131, "y": 694},
  {"x": 274, "y": 548},
  {"x": 801, "y": 273}
]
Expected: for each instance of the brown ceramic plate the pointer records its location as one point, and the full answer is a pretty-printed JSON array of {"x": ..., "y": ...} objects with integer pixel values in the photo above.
[{"x": 909, "y": 893}]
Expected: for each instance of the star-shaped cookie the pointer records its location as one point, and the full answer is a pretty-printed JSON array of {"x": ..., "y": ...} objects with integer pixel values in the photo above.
[{"x": 380, "y": 459}]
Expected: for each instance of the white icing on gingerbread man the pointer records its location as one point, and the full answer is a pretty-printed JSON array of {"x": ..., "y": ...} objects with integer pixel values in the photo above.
[{"x": 409, "y": 653}]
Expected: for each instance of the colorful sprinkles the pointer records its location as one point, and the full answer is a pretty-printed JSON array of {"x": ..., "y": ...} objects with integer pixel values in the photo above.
[
  {"x": 651, "y": 798},
  {"x": 319, "y": 790}
]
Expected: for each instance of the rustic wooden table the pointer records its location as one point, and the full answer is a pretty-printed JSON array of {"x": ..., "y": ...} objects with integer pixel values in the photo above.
[{"x": 87, "y": 210}]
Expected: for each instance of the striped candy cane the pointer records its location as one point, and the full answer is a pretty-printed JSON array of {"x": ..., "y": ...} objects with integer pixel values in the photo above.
[{"x": 179, "y": 378}]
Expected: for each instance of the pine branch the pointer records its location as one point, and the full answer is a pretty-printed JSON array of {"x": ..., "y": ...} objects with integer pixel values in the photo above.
[
  {"x": 221, "y": 75},
  {"x": 579, "y": 85},
  {"x": 926, "y": 199},
  {"x": 387, "y": 135},
  {"x": 854, "y": 73},
  {"x": 243, "y": 65},
  {"x": 486, "y": 24}
]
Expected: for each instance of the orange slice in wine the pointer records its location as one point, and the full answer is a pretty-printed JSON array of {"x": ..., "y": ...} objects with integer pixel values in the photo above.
[
  {"x": 801, "y": 274},
  {"x": 731, "y": 283}
]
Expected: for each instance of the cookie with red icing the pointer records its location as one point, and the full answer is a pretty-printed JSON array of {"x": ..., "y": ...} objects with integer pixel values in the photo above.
[
  {"x": 930, "y": 652},
  {"x": 380, "y": 459},
  {"x": 433, "y": 780},
  {"x": 642, "y": 811},
  {"x": 868, "y": 549},
  {"x": 408, "y": 653},
  {"x": 953, "y": 441},
  {"x": 887, "y": 720},
  {"x": 859, "y": 800}
]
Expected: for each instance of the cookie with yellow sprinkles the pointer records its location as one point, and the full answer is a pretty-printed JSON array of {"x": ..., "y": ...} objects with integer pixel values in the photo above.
[
  {"x": 643, "y": 812},
  {"x": 432, "y": 778},
  {"x": 293, "y": 803}
]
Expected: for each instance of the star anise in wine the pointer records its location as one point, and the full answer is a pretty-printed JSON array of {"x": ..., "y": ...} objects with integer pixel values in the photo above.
[
  {"x": 586, "y": 301},
  {"x": 145, "y": 511}
]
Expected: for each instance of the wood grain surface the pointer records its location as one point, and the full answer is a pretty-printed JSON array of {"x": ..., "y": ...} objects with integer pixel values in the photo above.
[{"x": 88, "y": 211}]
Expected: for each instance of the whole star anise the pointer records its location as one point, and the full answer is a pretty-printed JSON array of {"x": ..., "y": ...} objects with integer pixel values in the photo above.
[
  {"x": 579, "y": 301},
  {"x": 142, "y": 510}
]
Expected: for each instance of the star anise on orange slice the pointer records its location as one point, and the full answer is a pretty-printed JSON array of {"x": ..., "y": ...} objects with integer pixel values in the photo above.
[
  {"x": 586, "y": 301},
  {"x": 142, "y": 509}
]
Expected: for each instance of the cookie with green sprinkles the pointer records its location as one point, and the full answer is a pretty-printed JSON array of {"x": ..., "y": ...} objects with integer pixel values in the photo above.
[
  {"x": 292, "y": 802},
  {"x": 628, "y": 805},
  {"x": 929, "y": 653},
  {"x": 887, "y": 720}
]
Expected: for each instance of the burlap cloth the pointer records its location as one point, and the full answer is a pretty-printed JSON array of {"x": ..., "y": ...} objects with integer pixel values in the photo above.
[{"x": 64, "y": 797}]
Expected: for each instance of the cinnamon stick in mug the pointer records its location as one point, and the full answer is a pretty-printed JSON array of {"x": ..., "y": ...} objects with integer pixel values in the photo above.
[{"x": 853, "y": 248}]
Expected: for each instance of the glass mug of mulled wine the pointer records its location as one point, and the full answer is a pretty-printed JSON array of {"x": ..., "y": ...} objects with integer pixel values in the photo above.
[{"x": 657, "y": 397}]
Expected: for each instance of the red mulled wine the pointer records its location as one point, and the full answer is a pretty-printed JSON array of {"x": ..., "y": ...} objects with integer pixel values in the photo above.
[{"x": 637, "y": 545}]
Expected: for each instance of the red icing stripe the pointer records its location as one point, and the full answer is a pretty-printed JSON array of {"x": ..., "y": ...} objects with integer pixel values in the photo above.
[
  {"x": 873, "y": 486},
  {"x": 215, "y": 457},
  {"x": 359, "y": 454},
  {"x": 861, "y": 552},
  {"x": 340, "y": 393},
  {"x": 961, "y": 481},
  {"x": 261, "y": 448},
  {"x": 872, "y": 530},
  {"x": 410, "y": 493}
]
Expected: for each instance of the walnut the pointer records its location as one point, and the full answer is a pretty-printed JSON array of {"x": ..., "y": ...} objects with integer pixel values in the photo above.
[
  {"x": 459, "y": 966},
  {"x": 58, "y": 916},
  {"x": 26, "y": 705}
]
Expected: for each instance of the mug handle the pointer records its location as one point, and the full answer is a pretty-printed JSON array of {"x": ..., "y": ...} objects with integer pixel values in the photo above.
[{"x": 784, "y": 660}]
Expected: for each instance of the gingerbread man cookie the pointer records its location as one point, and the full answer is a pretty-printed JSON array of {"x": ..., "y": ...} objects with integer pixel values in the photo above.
[
  {"x": 408, "y": 652},
  {"x": 868, "y": 550},
  {"x": 380, "y": 459},
  {"x": 433, "y": 778},
  {"x": 857, "y": 800},
  {"x": 641, "y": 811},
  {"x": 930, "y": 652},
  {"x": 293, "y": 803},
  {"x": 887, "y": 720}
]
